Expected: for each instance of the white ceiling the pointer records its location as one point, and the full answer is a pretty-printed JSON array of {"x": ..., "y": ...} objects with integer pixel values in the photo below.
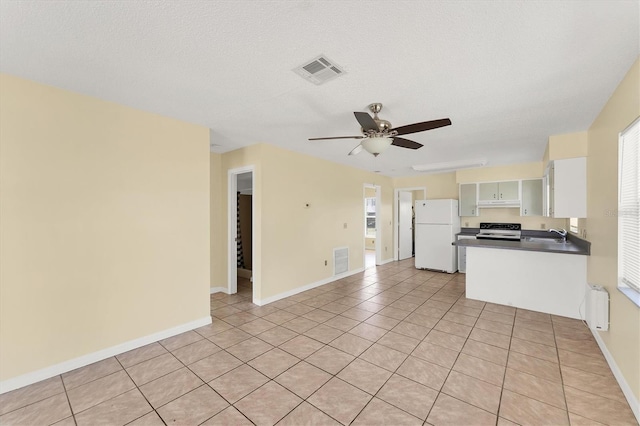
[{"x": 507, "y": 73}]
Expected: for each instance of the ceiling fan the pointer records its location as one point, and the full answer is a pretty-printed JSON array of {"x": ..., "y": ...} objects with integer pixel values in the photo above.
[{"x": 378, "y": 135}]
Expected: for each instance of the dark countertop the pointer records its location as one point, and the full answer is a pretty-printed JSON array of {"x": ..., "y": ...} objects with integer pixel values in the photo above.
[{"x": 573, "y": 245}]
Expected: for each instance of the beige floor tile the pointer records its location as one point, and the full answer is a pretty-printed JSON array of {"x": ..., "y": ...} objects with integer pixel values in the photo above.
[
  {"x": 43, "y": 412},
  {"x": 180, "y": 340},
  {"x": 491, "y": 338},
  {"x": 117, "y": 411},
  {"x": 446, "y": 340},
  {"x": 582, "y": 346},
  {"x": 323, "y": 333},
  {"x": 279, "y": 317},
  {"x": 486, "y": 352},
  {"x": 577, "y": 420},
  {"x": 19, "y": 398},
  {"x": 224, "y": 311},
  {"x": 217, "y": 326},
  {"x": 473, "y": 391},
  {"x": 335, "y": 308},
  {"x": 300, "y": 324},
  {"x": 303, "y": 379},
  {"x": 541, "y": 326},
  {"x": 100, "y": 390},
  {"x": 268, "y": 404},
  {"x": 215, "y": 365},
  {"x": 152, "y": 369},
  {"x": 249, "y": 349},
  {"x": 299, "y": 309},
  {"x": 436, "y": 354},
  {"x": 406, "y": 304},
  {"x": 496, "y": 317},
  {"x": 238, "y": 383},
  {"x": 228, "y": 417},
  {"x": 534, "y": 366},
  {"x": 385, "y": 357},
  {"x": 421, "y": 320},
  {"x": 274, "y": 362},
  {"x": 229, "y": 338},
  {"x": 195, "y": 351},
  {"x": 262, "y": 311},
  {"x": 600, "y": 409},
  {"x": 399, "y": 342},
  {"x": 141, "y": 354},
  {"x": 538, "y": 350},
  {"x": 480, "y": 369},
  {"x": 523, "y": 410},
  {"x": 307, "y": 414},
  {"x": 301, "y": 346},
  {"x": 356, "y": 313},
  {"x": 534, "y": 387},
  {"x": 453, "y": 328},
  {"x": 330, "y": 359},
  {"x": 256, "y": 327},
  {"x": 318, "y": 315},
  {"x": 370, "y": 306},
  {"x": 596, "y": 384},
  {"x": 378, "y": 412},
  {"x": 170, "y": 387},
  {"x": 394, "y": 313},
  {"x": 500, "y": 309},
  {"x": 494, "y": 326},
  {"x": 381, "y": 321},
  {"x": 91, "y": 372},
  {"x": 277, "y": 335},
  {"x": 460, "y": 318},
  {"x": 351, "y": 344},
  {"x": 534, "y": 336},
  {"x": 149, "y": 419},
  {"x": 424, "y": 372},
  {"x": 531, "y": 315},
  {"x": 408, "y": 395},
  {"x": 584, "y": 362},
  {"x": 365, "y": 376},
  {"x": 450, "y": 411},
  {"x": 466, "y": 310},
  {"x": 340, "y": 400},
  {"x": 193, "y": 408},
  {"x": 411, "y": 330},
  {"x": 69, "y": 421},
  {"x": 504, "y": 422},
  {"x": 369, "y": 332}
]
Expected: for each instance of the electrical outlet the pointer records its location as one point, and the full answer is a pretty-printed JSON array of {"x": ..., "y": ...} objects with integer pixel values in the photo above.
[
  {"x": 325, "y": 263},
  {"x": 584, "y": 233},
  {"x": 543, "y": 226},
  {"x": 385, "y": 248},
  {"x": 466, "y": 224},
  {"x": 345, "y": 225}
]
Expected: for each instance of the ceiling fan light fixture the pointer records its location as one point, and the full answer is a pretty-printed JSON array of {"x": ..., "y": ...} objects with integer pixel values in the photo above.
[
  {"x": 376, "y": 144},
  {"x": 450, "y": 165}
]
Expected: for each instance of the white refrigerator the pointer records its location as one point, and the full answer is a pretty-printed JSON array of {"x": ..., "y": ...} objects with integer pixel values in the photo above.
[{"x": 437, "y": 223}]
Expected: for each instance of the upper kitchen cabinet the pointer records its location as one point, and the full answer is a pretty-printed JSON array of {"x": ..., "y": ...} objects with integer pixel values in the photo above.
[
  {"x": 566, "y": 188},
  {"x": 531, "y": 199},
  {"x": 468, "y": 199},
  {"x": 499, "y": 194}
]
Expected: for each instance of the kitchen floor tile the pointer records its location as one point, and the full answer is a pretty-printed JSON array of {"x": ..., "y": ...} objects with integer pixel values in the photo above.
[
  {"x": 227, "y": 417},
  {"x": 268, "y": 404},
  {"x": 274, "y": 362},
  {"x": 340, "y": 400},
  {"x": 152, "y": 369},
  {"x": 195, "y": 351},
  {"x": 411, "y": 330},
  {"x": 238, "y": 383},
  {"x": 330, "y": 360},
  {"x": 170, "y": 387},
  {"x": 473, "y": 391},
  {"x": 399, "y": 342},
  {"x": 480, "y": 369},
  {"x": 538, "y": 350},
  {"x": 277, "y": 335},
  {"x": 214, "y": 365},
  {"x": 323, "y": 333},
  {"x": 534, "y": 387},
  {"x": 91, "y": 372},
  {"x": 451, "y": 411},
  {"x": 119, "y": 410},
  {"x": 193, "y": 408},
  {"x": 100, "y": 390},
  {"x": 408, "y": 395},
  {"x": 384, "y": 357},
  {"x": 424, "y": 372},
  {"x": 303, "y": 379},
  {"x": 491, "y": 338},
  {"x": 534, "y": 366},
  {"x": 46, "y": 411},
  {"x": 180, "y": 340},
  {"x": 486, "y": 352},
  {"x": 365, "y": 376},
  {"x": 19, "y": 398},
  {"x": 523, "y": 410},
  {"x": 301, "y": 346},
  {"x": 436, "y": 354},
  {"x": 249, "y": 349},
  {"x": 378, "y": 412},
  {"x": 600, "y": 409}
]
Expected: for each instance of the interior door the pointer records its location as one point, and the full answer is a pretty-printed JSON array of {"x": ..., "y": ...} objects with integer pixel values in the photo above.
[{"x": 405, "y": 225}]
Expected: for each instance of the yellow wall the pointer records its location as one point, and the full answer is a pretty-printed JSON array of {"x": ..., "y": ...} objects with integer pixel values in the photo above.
[
  {"x": 294, "y": 240},
  {"x": 105, "y": 225},
  {"x": 569, "y": 145},
  {"x": 623, "y": 337},
  {"x": 218, "y": 232},
  {"x": 445, "y": 185}
]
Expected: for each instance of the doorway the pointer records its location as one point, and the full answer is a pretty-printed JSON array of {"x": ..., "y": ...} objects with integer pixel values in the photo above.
[
  {"x": 372, "y": 235},
  {"x": 241, "y": 231},
  {"x": 403, "y": 206}
]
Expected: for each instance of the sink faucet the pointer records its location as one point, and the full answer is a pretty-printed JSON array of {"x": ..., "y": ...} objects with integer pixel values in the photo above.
[{"x": 561, "y": 232}]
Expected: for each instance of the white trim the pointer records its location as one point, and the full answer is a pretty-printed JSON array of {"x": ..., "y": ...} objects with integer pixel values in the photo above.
[
  {"x": 72, "y": 364},
  {"x": 396, "y": 198},
  {"x": 384, "y": 262},
  {"x": 378, "y": 238},
  {"x": 218, "y": 290},
  {"x": 297, "y": 290},
  {"x": 626, "y": 390}
]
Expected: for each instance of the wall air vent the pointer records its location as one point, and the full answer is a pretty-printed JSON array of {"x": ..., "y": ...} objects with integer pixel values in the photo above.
[
  {"x": 319, "y": 70},
  {"x": 340, "y": 260}
]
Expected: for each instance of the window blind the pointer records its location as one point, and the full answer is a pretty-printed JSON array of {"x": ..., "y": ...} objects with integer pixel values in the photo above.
[{"x": 629, "y": 206}]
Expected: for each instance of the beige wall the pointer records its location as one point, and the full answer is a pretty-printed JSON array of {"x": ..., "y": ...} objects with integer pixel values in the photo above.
[
  {"x": 295, "y": 240},
  {"x": 104, "y": 236},
  {"x": 623, "y": 337},
  {"x": 569, "y": 145},
  {"x": 445, "y": 185},
  {"x": 218, "y": 232}
]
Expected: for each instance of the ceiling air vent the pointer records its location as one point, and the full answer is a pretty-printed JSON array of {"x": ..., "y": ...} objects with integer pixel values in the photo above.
[{"x": 319, "y": 70}]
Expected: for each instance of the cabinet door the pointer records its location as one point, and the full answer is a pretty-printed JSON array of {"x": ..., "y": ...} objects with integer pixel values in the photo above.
[
  {"x": 508, "y": 190},
  {"x": 569, "y": 187},
  {"x": 531, "y": 198},
  {"x": 468, "y": 199},
  {"x": 488, "y": 191}
]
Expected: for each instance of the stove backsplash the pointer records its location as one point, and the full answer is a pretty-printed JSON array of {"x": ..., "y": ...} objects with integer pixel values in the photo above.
[{"x": 513, "y": 216}]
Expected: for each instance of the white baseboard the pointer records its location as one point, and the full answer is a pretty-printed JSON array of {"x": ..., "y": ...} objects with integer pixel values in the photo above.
[
  {"x": 218, "y": 290},
  {"x": 626, "y": 390},
  {"x": 245, "y": 273},
  {"x": 384, "y": 262},
  {"x": 72, "y": 364},
  {"x": 297, "y": 290}
]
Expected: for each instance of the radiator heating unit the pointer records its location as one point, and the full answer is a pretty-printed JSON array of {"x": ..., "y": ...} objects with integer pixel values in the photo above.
[{"x": 597, "y": 311}]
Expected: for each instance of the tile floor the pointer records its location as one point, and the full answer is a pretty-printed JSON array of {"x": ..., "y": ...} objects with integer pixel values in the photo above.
[{"x": 390, "y": 346}]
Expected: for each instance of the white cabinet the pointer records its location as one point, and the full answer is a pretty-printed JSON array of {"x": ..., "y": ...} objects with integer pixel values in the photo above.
[
  {"x": 489, "y": 191},
  {"x": 566, "y": 188},
  {"x": 468, "y": 199},
  {"x": 531, "y": 198}
]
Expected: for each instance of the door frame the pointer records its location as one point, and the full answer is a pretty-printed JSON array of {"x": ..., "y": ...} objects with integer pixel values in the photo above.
[
  {"x": 232, "y": 228},
  {"x": 396, "y": 223},
  {"x": 378, "y": 190}
]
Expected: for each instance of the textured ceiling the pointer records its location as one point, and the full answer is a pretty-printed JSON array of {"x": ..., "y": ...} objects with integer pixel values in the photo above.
[{"x": 507, "y": 73}]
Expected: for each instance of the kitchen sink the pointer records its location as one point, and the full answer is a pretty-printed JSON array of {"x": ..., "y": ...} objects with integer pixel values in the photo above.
[{"x": 543, "y": 240}]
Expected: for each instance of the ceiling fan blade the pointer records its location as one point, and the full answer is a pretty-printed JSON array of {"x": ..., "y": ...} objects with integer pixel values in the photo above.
[
  {"x": 356, "y": 150},
  {"x": 337, "y": 137},
  {"x": 366, "y": 121},
  {"x": 406, "y": 143},
  {"x": 421, "y": 127}
]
